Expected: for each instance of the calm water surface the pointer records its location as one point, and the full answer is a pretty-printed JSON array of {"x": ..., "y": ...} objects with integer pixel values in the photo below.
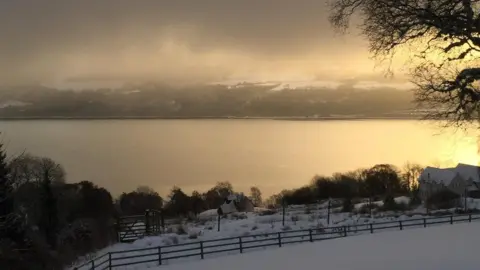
[{"x": 195, "y": 154}]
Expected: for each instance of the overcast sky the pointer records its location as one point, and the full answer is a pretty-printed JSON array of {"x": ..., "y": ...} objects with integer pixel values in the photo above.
[{"x": 174, "y": 39}]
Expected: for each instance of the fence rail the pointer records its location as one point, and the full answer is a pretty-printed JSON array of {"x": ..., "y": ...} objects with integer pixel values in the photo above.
[{"x": 164, "y": 254}]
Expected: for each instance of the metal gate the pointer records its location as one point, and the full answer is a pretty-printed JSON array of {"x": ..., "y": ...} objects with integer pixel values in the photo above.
[{"x": 131, "y": 228}]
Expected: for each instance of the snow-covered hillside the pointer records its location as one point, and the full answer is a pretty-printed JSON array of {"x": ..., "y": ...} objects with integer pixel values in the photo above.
[
  {"x": 261, "y": 222},
  {"x": 439, "y": 248}
]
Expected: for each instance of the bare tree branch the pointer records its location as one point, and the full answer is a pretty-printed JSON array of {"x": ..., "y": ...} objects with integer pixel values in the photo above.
[{"x": 447, "y": 35}]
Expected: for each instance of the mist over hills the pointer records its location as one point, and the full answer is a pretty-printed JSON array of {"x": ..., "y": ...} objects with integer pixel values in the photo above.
[{"x": 207, "y": 100}]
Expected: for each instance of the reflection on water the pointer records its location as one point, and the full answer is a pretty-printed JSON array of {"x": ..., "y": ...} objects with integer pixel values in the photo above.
[{"x": 273, "y": 155}]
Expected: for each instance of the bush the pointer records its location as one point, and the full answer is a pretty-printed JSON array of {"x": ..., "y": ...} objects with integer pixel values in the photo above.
[
  {"x": 347, "y": 205},
  {"x": 295, "y": 219},
  {"x": 444, "y": 199},
  {"x": 238, "y": 215},
  {"x": 415, "y": 200},
  {"x": 474, "y": 194},
  {"x": 389, "y": 204},
  {"x": 365, "y": 209},
  {"x": 304, "y": 195},
  {"x": 193, "y": 235},
  {"x": 181, "y": 230},
  {"x": 267, "y": 212},
  {"x": 174, "y": 240}
]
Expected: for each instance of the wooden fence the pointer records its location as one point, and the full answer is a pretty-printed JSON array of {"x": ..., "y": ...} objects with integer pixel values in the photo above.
[
  {"x": 164, "y": 254},
  {"x": 131, "y": 228}
]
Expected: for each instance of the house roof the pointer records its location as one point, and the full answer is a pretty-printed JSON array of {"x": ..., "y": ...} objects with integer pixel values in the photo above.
[
  {"x": 468, "y": 172},
  {"x": 438, "y": 175},
  {"x": 446, "y": 176}
]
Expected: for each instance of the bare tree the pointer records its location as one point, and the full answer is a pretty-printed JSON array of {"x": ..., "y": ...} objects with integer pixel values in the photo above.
[
  {"x": 256, "y": 196},
  {"x": 410, "y": 174},
  {"x": 446, "y": 37},
  {"x": 32, "y": 169}
]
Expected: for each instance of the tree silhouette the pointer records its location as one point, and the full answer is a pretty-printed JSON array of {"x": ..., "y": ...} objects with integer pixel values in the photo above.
[
  {"x": 6, "y": 186},
  {"x": 446, "y": 37},
  {"x": 256, "y": 196}
]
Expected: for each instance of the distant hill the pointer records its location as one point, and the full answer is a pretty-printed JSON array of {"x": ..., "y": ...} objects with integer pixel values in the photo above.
[{"x": 217, "y": 100}]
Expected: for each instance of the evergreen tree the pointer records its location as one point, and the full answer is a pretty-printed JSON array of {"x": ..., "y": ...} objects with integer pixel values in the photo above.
[
  {"x": 6, "y": 186},
  {"x": 50, "y": 217}
]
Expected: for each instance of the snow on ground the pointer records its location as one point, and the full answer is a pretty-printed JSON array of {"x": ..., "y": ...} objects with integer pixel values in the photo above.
[
  {"x": 264, "y": 221},
  {"x": 298, "y": 217},
  {"x": 444, "y": 247},
  {"x": 403, "y": 199}
]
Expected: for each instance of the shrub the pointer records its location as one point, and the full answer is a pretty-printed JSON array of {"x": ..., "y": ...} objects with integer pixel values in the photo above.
[
  {"x": 474, "y": 194},
  {"x": 347, "y": 205},
  {"x": 181, "y": 230},
  {"x": 444, "y": 199},
  {"x": 365, "y": 209},
  {"x": 295, "y": 219},
  {"x": 174, "y": 239},
  {"x": 267, "y": 212},
  {"x": 238, "y": 215},
  {"x": 193, "y": 235},
  {"x": 245, "y": 234},
  {"x": 389, "y": 203}
]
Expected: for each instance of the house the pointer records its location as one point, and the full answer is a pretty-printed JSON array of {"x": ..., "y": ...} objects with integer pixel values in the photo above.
[
  {"x": 235, "y": 203},
  {"x": 460, "y": 179}
]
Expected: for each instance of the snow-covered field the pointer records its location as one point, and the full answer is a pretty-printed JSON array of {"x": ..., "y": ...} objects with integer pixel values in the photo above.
[
  {"x": 260, "y": 225},
  {"x": 440, "y": 248}
]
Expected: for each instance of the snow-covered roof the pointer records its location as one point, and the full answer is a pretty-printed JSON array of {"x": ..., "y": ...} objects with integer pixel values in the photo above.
[
  {"x": 445, "y": 176},
  {"x": 438, "y": 175},
  {"x": 468, "y": 172}
]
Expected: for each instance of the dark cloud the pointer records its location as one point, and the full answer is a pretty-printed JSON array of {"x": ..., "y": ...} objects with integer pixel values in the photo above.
[{"x": 40, "y": 36}]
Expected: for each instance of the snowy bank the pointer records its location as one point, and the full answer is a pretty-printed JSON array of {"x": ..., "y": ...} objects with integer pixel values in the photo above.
[{"x": 438, "y": 248}]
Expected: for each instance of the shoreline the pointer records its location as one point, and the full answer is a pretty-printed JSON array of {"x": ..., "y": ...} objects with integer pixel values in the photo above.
[{"x": 333, "y": 118}]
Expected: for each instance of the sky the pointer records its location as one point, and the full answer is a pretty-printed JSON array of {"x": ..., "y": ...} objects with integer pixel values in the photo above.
[{"x": 208, "y": 40}]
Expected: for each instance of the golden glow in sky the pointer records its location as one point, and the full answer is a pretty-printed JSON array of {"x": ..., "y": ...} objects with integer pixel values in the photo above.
[{"x": 175, "y": 40}]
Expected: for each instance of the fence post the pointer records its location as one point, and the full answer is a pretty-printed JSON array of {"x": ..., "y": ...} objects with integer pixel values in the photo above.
[
  {"x": 279, "y": 240},
  {"x": 147, "y": 222},
  {"x": 328, "y": 214},
  {"x": 451, "y": 219},
  {"x": 401, "y": 226},
  {"x": 371, "y": 228},
  {"x": 240, "y": 242},
  {"x": 93, "y": 265},
  {"x": 159, "y": 255},
  {"x": 424, "y": 222},
  {"x": 117, "y": 229},
  {"x": 201, "y": 250},
  {"x": 218, "y": 223},
  {"x": 311, "y": 236},
  {"x": 283, "y": 212},
  {"x": 469, "y": 217},
  {"x": 109, "y": 260},
  {"x": 162, "y": 220}
]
